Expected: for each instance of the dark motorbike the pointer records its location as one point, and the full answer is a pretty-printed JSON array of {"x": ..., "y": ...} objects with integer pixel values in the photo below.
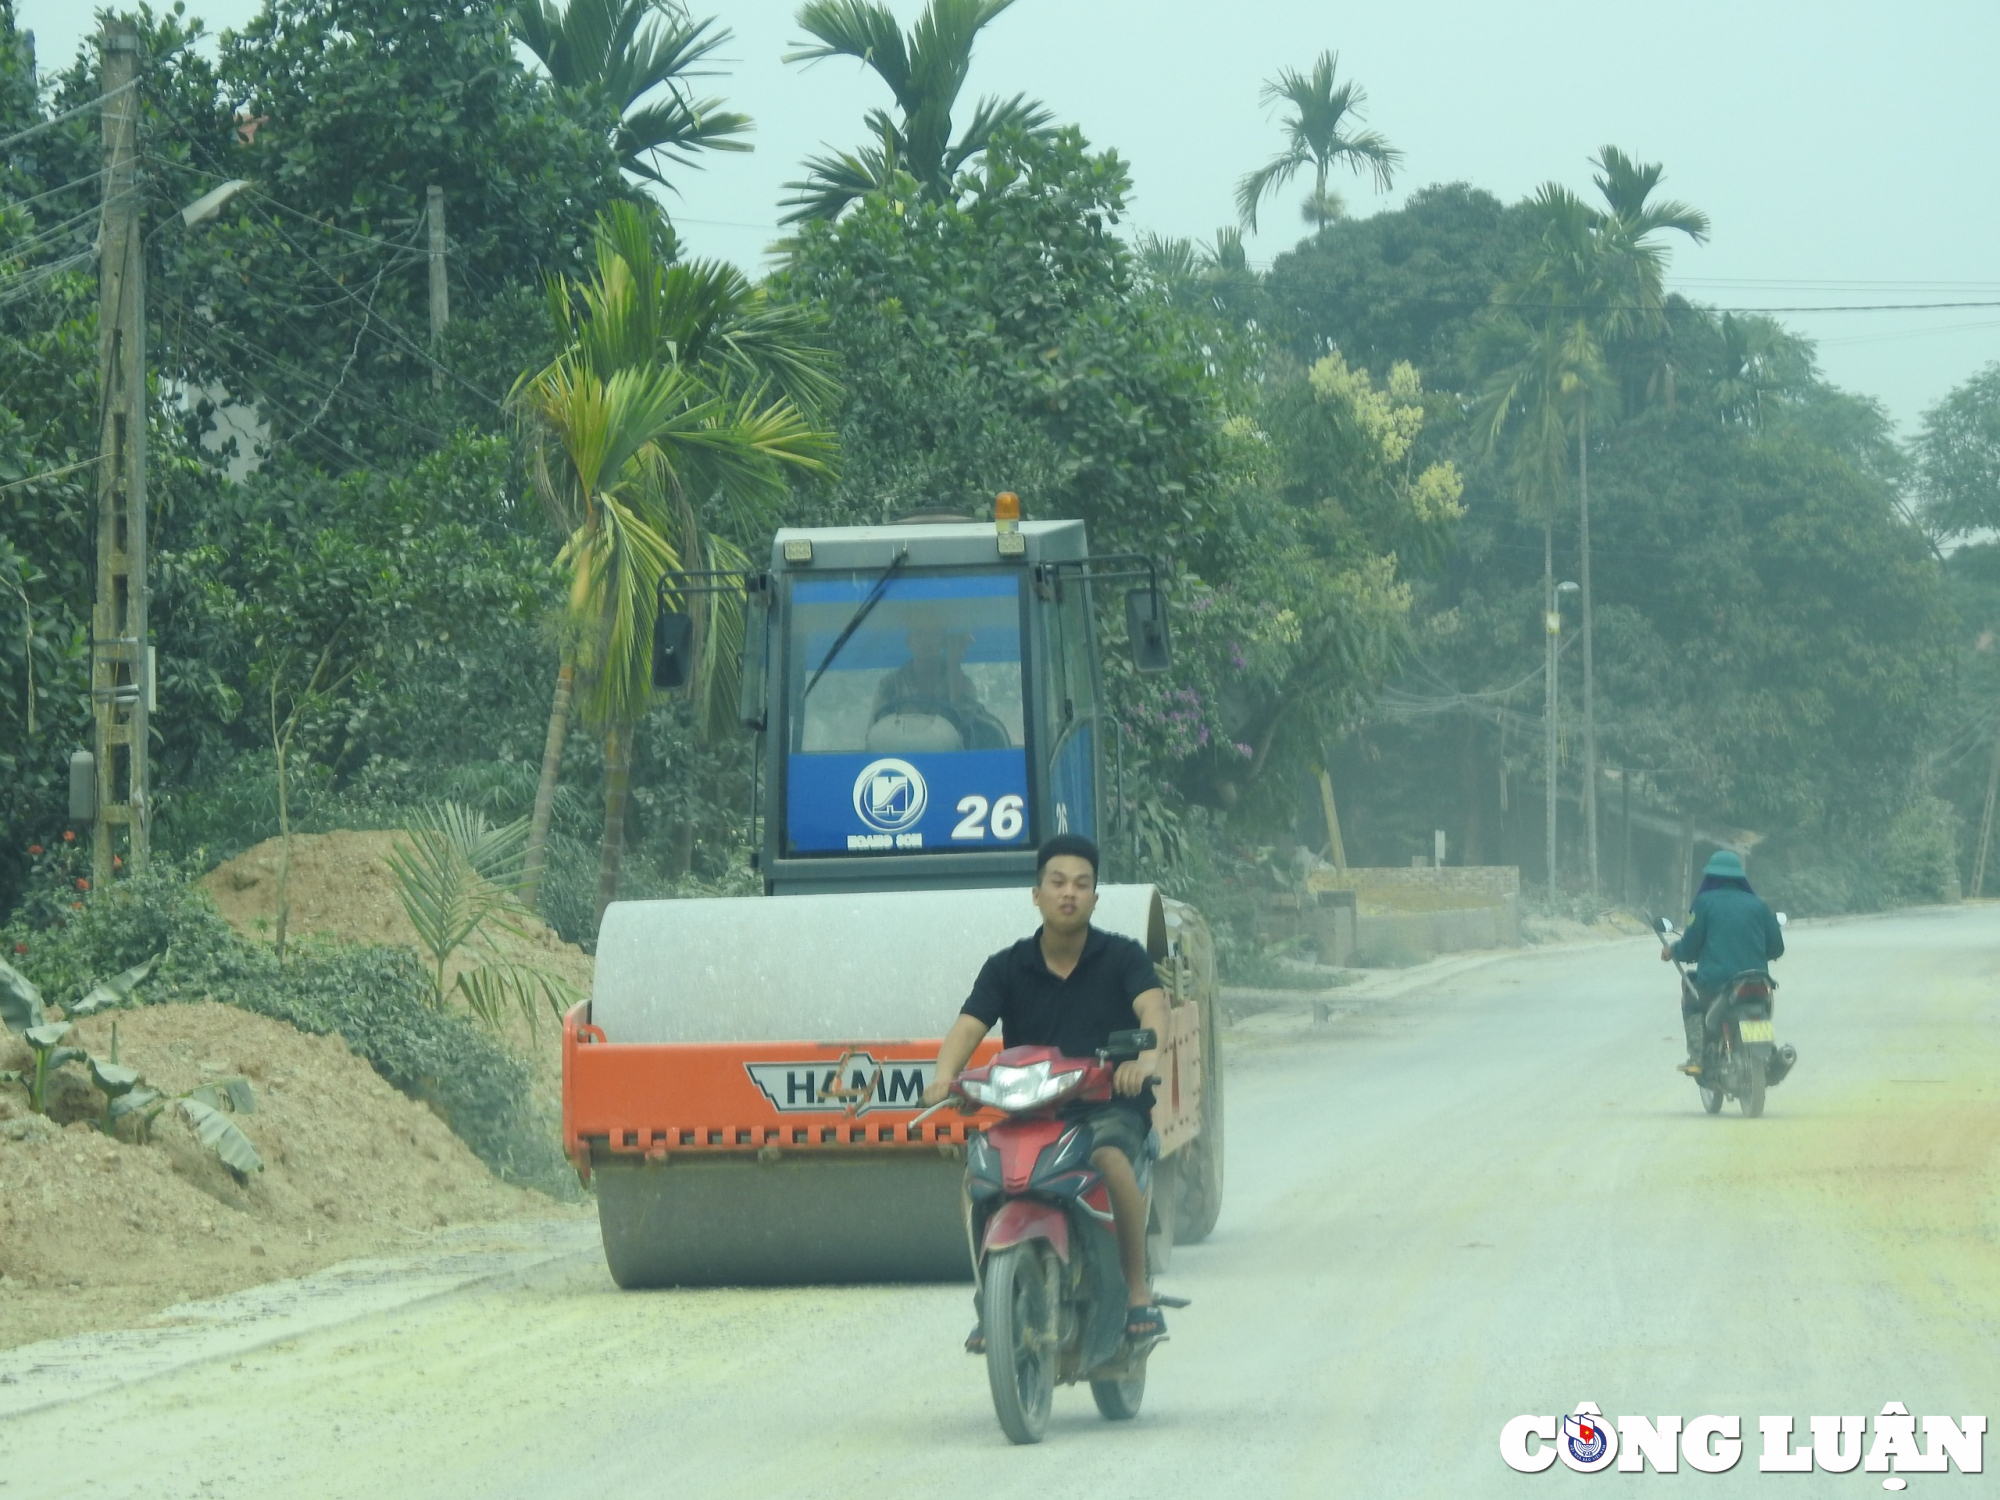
[
  {"x": 1052, "y": 1293},
  {"x": 1742, "y": 1058}
]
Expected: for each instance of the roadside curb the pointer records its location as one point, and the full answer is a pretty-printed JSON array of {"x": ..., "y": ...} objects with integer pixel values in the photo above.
[
  {"x": 55, "y": 1372},
  {"x": 1285, "y": 1010}
]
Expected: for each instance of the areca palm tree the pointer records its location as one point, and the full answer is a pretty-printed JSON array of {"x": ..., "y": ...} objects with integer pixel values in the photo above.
[
  {"x": 1319, "y": 133},
  {"x": 665, "y": 438},
  {"x": 925, "y": 71},
  {"x": 617, "y": 53},
  {"x": 1539, "y": 372},
  {"x": 1599, "y": 275},
  {"x": 1757, "y": 357}
]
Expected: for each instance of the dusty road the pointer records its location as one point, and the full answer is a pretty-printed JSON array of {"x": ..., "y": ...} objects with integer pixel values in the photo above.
[{"x": 1486, "y": 1197}]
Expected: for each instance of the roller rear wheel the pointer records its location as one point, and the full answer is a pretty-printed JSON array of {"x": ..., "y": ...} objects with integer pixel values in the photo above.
[{"x": 1018, "y": 1311}]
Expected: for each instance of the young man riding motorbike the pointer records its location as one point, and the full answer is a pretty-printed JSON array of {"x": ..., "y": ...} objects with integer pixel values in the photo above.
[
  {"x": 1069, "y": 987},
  {"x": 1729, "y": 932}
]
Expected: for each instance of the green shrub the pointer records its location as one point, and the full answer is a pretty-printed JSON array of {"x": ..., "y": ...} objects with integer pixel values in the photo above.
[
  {"x": 1919, "y": 854},
  {"x": 376, "y": 998}
]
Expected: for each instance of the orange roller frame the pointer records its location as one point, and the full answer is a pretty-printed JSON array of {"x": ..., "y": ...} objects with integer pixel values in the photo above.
[{"x": 650, "y": 1100}]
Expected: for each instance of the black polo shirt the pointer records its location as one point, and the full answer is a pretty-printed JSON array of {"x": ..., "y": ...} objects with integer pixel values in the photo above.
[{"x": 1038, "y": 1008}]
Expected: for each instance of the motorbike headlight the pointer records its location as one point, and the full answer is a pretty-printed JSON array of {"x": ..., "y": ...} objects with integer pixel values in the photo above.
[{"x": 1023, "y": 1088}]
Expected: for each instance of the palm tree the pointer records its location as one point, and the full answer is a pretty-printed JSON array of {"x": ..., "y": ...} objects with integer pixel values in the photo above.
[
  {"x": 617, "y": 52},
  {"x": 665, "y": 439},
  {"x": 1317, "y": 134},
  {"x": 1600, "y": 273},
  {"x": 1212, "y": 277},
  {"x": 1757, "y": 357},
  {"x": 1539, "y": 372},
  {"x": 924, "y": 71}
]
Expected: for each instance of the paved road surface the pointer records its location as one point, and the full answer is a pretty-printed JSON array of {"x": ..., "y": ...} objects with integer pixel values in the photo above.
[{"x": 1486, "y": 1197}]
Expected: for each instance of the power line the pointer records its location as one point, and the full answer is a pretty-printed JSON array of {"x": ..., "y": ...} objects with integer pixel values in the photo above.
[
  {"x": 50, "y": 193},
  {"x": 206, "y": 333},
  {"x": 82, "y": 463},
  {"x": 68, "y": 114}
]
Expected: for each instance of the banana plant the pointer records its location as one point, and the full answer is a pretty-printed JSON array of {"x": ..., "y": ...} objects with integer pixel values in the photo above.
[
  {"x": 20, "y": 1002},
  {"x": 45, "y": 1041},
  {"x": 109, "y": 994},
  {"x": 206, "y": 1109}
]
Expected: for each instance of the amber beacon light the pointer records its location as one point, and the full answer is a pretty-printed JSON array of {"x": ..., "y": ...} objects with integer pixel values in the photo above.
[{"x": 1007, "y": 523}]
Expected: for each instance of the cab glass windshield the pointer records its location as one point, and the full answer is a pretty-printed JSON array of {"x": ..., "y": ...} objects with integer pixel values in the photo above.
[{"x": 909, "y": 736}]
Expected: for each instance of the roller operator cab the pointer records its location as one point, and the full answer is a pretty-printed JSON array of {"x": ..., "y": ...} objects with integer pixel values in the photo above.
[
  {"x": 930, "y": 704},
  {"x": 742, "y": 1086}
]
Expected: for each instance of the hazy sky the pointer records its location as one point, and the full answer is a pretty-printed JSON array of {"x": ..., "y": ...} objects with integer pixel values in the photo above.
[{"x": 1842, "y": 149}]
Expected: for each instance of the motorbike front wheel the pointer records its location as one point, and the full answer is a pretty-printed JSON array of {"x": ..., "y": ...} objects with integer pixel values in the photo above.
[
  {"x": 1018, "y": 1312},
  {"x": 1711, "y": 1099}
]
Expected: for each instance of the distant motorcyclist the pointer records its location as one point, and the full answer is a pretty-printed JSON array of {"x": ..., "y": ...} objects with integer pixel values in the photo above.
[{"x": 1730, "y": 932}]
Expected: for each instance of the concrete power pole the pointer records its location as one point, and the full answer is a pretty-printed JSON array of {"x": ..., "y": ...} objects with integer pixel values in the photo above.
[
  {"x": 440, "y": 286},
  {"x": 120, "y": 659}
]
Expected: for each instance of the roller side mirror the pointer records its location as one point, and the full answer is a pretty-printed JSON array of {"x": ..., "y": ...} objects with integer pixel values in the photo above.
[
  {"x": 750, "y": 711},
  {"x": 1146, "y": 624},
  {"x": 673, "y": 650}
]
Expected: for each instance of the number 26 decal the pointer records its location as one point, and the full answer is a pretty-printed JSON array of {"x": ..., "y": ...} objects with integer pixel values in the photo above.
[{"x": 1009, "y": 817}]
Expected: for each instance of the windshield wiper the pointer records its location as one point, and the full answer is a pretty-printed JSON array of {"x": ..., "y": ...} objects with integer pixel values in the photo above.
[{"x": 847, "y": 631}]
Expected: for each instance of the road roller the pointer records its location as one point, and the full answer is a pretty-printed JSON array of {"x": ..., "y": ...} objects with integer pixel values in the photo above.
[{"x": 742, "y": 1087}]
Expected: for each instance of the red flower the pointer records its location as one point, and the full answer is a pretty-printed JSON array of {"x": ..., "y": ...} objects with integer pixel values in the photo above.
[
  {"x": 83, "y": 885},
  {"x": 34, "y": 848},
  {"x": 68, "y": 837},
  {"x": 117, "y": 863},
  {"x": 20, "y": 947}
]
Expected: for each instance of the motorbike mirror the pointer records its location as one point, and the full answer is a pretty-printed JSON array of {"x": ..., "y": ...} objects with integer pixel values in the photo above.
[
  {"x": 1123, "y": 1046},
  {"x": 673, "y": 650}
]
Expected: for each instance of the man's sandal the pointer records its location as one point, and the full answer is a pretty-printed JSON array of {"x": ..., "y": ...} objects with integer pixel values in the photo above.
[
  {"x": 1144, "y": 1325},
  {"x": 975, "y": 1341}
]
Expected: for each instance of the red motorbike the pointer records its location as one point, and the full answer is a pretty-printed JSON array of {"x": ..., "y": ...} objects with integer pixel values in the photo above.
[{"x": 1052, "y": 1293}]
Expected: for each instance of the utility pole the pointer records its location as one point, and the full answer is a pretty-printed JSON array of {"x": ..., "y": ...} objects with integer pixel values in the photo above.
[
  {"x": 1986, "y": 824},
  {"x": 440, "y": 286},
  {"x": 120, "y": 661},
  {"x": 1589, "y": 676},
  {"x": 1551, "y": 634}
]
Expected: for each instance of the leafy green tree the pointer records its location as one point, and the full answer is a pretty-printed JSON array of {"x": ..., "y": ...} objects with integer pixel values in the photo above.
[
  {"x": 1319, "y": 133},
  {"x": 924, "y": 71},
  {"x": 1009, "y": 342},
  {"x": 305, "y": 301},
  {"x": 1958, "y": 458},
  {"x": 614, "y": 54},
  {"x": 1405, "y": 284}
]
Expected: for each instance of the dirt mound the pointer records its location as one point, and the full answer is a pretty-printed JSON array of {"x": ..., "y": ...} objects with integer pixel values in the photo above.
[
  {"x": 341, "y": 887},
  {"x": 95, "y": 1232}
]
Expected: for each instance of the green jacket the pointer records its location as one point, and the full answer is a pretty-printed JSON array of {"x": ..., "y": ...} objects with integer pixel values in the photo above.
[{"x": 1730, "y": 930}]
